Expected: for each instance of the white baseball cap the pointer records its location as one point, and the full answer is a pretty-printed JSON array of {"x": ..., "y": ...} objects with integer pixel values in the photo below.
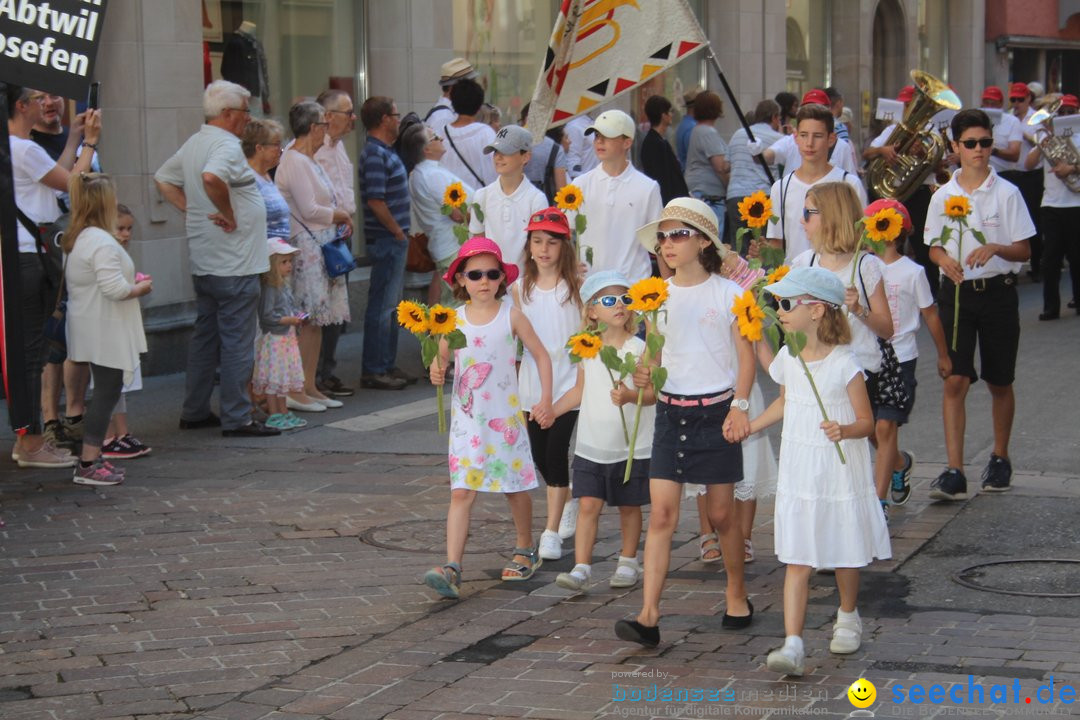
[
  {"x": 613, "y": 124},
  {"x": 277, "y": 246}
]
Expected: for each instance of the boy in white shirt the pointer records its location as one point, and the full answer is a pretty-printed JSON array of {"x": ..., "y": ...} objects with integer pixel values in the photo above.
[
  {"x": 509, "y": 202},
  {"x": 785, "y": 151},
  {"x": 617, "y": 200},
  {"x": 814, "y": 134},
  {"x": 989, "y": 307},
  {"x": 909, "y": 296}
]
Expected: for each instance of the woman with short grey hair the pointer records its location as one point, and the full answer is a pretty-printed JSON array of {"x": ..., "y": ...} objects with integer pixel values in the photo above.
[{"x": 316, "y": 220}]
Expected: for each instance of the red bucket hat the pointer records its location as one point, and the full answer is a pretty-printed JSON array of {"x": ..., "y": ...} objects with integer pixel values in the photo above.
[
  {"x": 480, "y": 246},
  {"x": 993, "y": 93},
  {"x": 878, "y": 205},
  {"x": 549, "y": 219},
  {"x": 818, "y": 97},
  {"x": 907, "y": 93},
  {"x": 1019, "y": 90}
]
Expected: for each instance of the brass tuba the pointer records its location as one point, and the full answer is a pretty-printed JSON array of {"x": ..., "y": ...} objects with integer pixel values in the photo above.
[
  {"x": 1055, "y": 148},
  {"x": 919, "y": 149}
]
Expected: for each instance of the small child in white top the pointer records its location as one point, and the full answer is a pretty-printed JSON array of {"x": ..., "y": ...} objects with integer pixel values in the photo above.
[
  {"x": 602, "y": 448},
  {"x": 507, "y": 204},
  {"x": 827, "y": 515}
]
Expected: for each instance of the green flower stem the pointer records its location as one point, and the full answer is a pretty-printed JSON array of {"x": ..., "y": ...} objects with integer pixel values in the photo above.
[
  {"x": 439, "y": 400},
  {"x": 615, "y": 384},
  {"x": 821, "y": 405},
  {"x": 637, "y": 411},
  {"x": 956, "y": 289}
]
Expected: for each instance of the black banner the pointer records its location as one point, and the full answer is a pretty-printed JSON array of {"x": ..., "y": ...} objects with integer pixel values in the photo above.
[{"x": 50, "y": 45}]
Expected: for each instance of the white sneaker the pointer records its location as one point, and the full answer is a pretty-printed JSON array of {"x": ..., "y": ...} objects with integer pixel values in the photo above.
[
  {"x": 576, "y": 580},
  {"x": 786, "y": 661},
  {"x": 47, "y": 456},
  {"x": 550, "y": 545},
  {"x": 846, "y": 635},
  {"x": 568, "y": 521}
]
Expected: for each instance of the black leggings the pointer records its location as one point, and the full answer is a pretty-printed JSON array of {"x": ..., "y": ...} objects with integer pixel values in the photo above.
[
  {"x": 108, "y": 382},
  {"x": 551, "y": 449}
]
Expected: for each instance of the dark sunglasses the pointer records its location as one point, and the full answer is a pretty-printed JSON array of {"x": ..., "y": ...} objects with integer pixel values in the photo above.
[
  {"x": 548, "y": 217},
  {"x": 807, "y": 212},
  {"x": 610, "y": 300},
  {"x": 981, "y": 142},
  {"x": 477, "y": 275},
  {"x": 789, "y": 304},
  {"x": 679, "y": 235}
]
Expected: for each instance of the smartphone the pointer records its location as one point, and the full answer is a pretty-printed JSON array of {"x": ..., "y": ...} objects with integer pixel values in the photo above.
[{"x": 92, "y": 97}]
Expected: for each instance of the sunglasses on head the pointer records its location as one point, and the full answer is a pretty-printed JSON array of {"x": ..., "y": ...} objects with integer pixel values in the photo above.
[
  {"x": 981, "y": 142},
  {"x": 807, "y": 212},
  {"x": 678, "y": 235},
  {"x": 548, "y": 217},
  {"x": 789, "y": 304},
  {"x": 610, "y": 300},
  {"x": 477, "y": 275}
]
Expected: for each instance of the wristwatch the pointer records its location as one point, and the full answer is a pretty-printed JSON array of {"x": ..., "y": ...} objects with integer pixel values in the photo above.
[{"x": 741, "y": 404}]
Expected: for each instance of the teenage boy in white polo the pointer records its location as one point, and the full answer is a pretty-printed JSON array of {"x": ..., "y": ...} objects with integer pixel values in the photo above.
[
  {"x": 509, "y": 202},
  {"x": 618, "y": 199},
  {"x": 813, "y": 134},
  {"x": 989, "y": 315}
]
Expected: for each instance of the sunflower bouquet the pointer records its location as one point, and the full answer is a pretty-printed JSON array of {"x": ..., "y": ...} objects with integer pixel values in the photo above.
[
  {"x": 957, "y": 209},
  {"x": 648, "y": 298},
  {"x": 455, "y": 200},
  {"x": 751, "y": 309},
  {"x": 569, "y": 199},
  {"x": 430, "y": 325},
  {"x": 756, "y": 211},
  {"x": 875, "y": 231},
  {"x": 588, "y": 344}
]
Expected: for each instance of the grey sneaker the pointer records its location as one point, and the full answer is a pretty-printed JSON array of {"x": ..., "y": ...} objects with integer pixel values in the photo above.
[
  {"x": 47, "y": 456},
  {"x": 997, "y": 475},
  {"x": 901, "y": 480},
  {"x": 100, "y": 473}
]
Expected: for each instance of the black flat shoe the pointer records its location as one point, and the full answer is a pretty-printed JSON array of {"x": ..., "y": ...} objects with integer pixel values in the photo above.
[
  {"x": 738, "y": 622},
  {"x": 210, "y": 420},
  {"x": 1049, "y": 316},
  {"x": 252, "y": 429},
  {"x": 633, "y": 631}
]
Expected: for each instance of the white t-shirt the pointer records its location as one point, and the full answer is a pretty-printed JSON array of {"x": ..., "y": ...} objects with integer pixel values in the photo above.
[
  {"x": 788, "y": 195},
  {"x": 699, "y": 352},
  {"x": 787, "y": 154},
  {"x": 555, "y": 317},
  {"x": 1025, "y": 146},
  {"x": 30, "y": 163},
  {"x": 908, "y": 292},
  {"x": 1005, "y": 132},
  {"x": 997, "y": 210},
  {"x": 469, "y": 142},
  {"x": 599, "y": 430},
  {"x": 580, "y": 158},
  {"x": 616, "y": 207},
  {"x": 505, "y": 216},
  {"x": 1056, "y": 193}
]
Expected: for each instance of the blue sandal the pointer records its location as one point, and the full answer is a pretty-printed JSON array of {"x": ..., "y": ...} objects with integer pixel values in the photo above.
[
  {"x": 524, "y": 572},
  {"x": 445, "y": 580}
]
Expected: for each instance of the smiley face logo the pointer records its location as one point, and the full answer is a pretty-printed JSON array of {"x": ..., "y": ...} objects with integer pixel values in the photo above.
[{"x": 862, "y": 693}]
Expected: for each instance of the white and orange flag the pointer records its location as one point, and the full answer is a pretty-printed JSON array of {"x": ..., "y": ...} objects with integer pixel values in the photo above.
[{"x": 601, "y": 49}]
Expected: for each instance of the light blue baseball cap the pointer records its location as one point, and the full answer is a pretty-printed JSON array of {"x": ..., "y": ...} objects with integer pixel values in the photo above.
[
  {"x": 817, "y": 282},
  {"x": 600, "y": 280}
]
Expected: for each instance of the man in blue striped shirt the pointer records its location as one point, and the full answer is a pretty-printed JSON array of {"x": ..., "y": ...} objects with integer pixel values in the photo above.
[{"x": 384, "y": 194}]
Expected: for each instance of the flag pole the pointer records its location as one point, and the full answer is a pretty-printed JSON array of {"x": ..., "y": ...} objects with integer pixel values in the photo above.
[{"x": 738, "y": 110}]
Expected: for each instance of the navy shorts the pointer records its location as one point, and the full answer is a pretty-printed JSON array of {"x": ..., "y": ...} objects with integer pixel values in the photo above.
[
  {"x": 689, "y": 444},
  {"x": 888, "y": 412},
  {"x": 605, "y": 481}
]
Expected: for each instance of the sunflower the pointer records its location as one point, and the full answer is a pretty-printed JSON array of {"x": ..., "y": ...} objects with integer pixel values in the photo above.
[
  {"x": 648, "y": 294},
  {"x": 442, "y": 320},
  {"x": 569, "y": 198},
  {"x": 755, "y": 210},
  {"x": 412, "y": 317},
  {"x": 749, "y": 314},
  {"x": 584, "y": 345},
  {"x": 454, "y": 196},
  {"x": 884, "y": 225},
  {"x": 777, "y": 275},
  {"x": 957, "y": 206}
]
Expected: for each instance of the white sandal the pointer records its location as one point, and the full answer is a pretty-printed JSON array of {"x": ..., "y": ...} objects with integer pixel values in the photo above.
[{"x": 710, "y": 543}]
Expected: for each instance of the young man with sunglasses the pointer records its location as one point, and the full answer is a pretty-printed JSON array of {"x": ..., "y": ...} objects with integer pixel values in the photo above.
[{"x": 989, "y": 314}]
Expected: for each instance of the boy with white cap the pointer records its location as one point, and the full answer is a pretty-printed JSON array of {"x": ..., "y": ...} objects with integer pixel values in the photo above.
[
  {"x": 508, "y": 203},
  {"x": 617, "y": 199}
]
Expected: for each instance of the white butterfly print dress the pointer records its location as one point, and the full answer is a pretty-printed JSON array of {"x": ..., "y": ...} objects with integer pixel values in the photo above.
[{"x": 489, "y": 447}]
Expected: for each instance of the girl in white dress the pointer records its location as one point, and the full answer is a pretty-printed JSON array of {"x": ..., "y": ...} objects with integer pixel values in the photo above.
[
  {"x": 489, "y": 448},
  {"x": 827, "y": 513},
  {"x": 547, "y": 294}
]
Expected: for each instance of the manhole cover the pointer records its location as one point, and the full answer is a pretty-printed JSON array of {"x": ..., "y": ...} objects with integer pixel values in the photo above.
[
  {"x": 1031, "y": 578},
  {"x": 485, "y": 536}
]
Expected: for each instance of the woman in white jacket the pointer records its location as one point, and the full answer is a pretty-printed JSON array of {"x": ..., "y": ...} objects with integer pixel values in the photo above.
[{"x": 104, "y": 321}]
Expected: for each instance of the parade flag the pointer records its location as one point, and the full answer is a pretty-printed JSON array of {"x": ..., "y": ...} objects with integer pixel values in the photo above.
[{"x": 601, "y": 49}]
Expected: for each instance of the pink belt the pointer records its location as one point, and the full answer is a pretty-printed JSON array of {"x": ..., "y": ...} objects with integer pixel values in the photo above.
[{"x": 698, "y": 402}]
